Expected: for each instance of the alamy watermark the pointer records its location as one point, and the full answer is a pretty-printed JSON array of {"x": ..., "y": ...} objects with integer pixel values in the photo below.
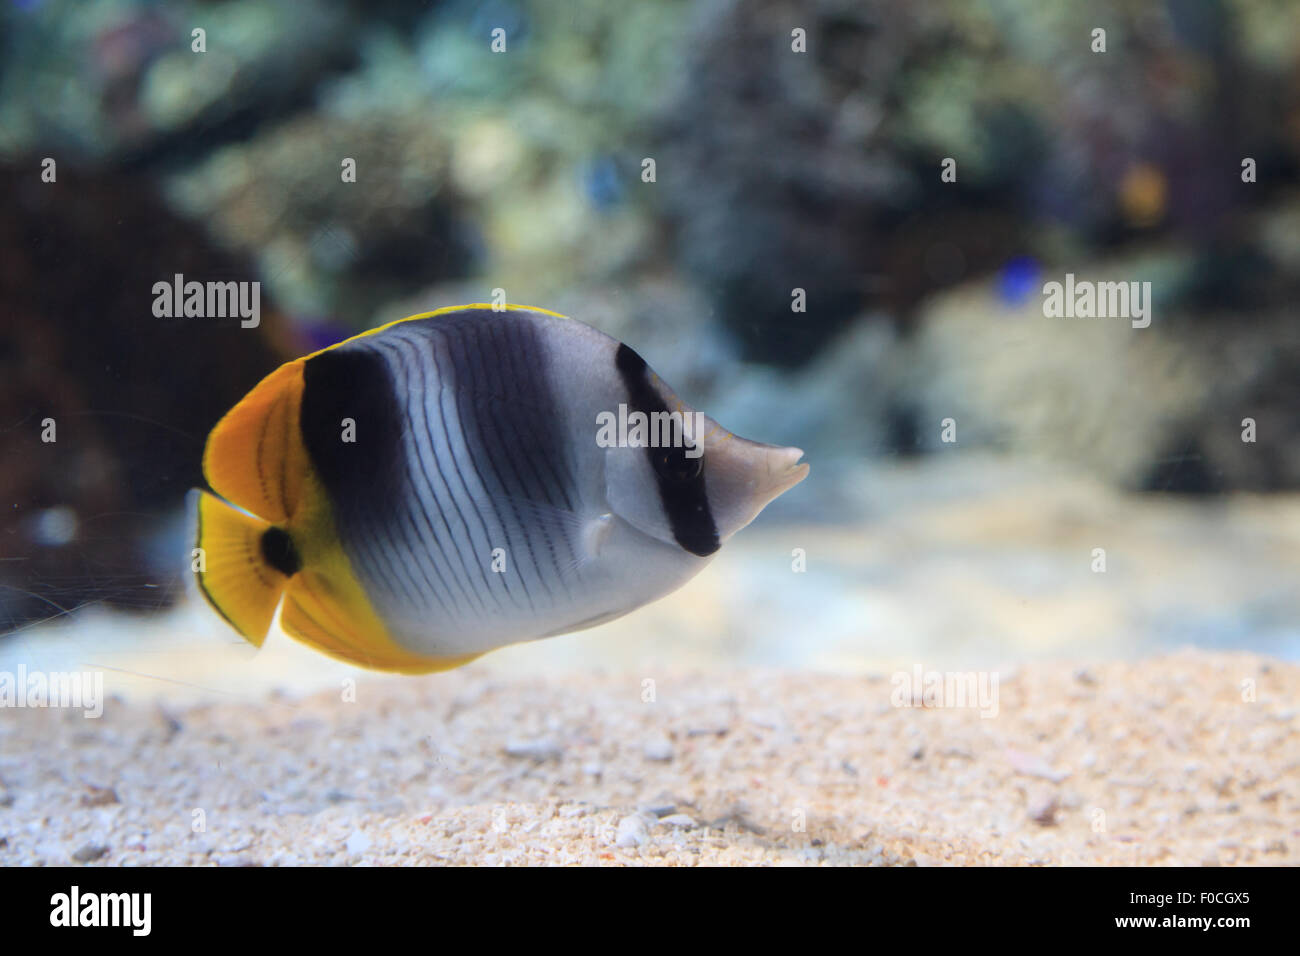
[
  {"x": 946, "y": 689},
  {"x": 208, "y": 300},
  {"x": 25, "y": 688},
  {"x": 133, "y": 911},
  {"x": 638, "y": 429},
  {"x": 1085, "y": 299}
]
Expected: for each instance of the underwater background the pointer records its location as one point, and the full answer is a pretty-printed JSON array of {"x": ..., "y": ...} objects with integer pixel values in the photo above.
[
  {"x": 826, "y": 224},
  {"x": 852, "y": 226}
]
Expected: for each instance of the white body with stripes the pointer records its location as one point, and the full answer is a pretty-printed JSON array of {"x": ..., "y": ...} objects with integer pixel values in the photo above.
[{"x": 475, "y": 504}]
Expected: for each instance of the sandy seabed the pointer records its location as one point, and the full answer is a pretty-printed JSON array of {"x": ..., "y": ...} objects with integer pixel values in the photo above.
[{"x": 1190, "y": 758}]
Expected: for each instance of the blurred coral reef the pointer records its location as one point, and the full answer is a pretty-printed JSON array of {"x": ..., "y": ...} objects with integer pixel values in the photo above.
[{"x": 523, "y": 171}]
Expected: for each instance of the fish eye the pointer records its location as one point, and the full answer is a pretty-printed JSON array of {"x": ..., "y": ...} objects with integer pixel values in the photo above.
[{"x": 676, "y": 467}]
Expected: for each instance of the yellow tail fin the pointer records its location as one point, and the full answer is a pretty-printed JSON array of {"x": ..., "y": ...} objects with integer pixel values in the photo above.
[{"x": 232, "y": 571}]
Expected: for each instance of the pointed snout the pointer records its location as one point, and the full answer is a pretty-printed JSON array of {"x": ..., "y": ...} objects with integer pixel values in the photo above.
[
  {"x": 744, "y": 476},
  {"x": 784, "y": 471}
]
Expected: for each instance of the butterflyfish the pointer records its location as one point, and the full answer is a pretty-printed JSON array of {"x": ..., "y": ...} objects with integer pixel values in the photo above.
[{"x": 461, "y": 480}]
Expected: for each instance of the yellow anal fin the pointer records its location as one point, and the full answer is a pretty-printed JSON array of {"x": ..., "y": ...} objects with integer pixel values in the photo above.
[
  {"x": 232, "y": 572},
  {"x": 337, "y": 620},
  {"x": 255, "y": 456}
]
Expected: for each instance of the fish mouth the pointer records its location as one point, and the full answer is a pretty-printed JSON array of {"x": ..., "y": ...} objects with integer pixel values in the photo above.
[
  {"x": 743, "y": 477},
  {"x": 785, "y": 470}
]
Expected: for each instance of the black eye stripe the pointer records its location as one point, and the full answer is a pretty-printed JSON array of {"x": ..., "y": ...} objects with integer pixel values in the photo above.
[
  {"x": 674, "y": 465},
  {"x": 680, "y": 479}
]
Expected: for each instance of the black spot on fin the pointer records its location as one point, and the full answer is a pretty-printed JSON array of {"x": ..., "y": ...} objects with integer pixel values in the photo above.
[{"x": 279, "y": 551}]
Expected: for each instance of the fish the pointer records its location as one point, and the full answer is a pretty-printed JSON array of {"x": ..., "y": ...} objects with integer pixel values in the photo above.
[{"x": 461, "y": 480}]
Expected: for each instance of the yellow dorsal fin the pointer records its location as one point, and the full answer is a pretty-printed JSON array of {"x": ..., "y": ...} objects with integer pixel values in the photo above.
[
  {"x": 445, "y": 310},
  {"x": 255, "y": 456}
]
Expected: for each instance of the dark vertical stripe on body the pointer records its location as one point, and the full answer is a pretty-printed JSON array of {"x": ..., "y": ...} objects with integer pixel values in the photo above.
[
  {"x": 523, "y": 354},
  {"x": 515, "y": 473},
  {"x": 523, "y": 420},
  {"x": 486, "y": 462},
  {"x": 509, "y": 416},
  {"x": 363, "y": 477},
  {"x": 681, "y": 484}
]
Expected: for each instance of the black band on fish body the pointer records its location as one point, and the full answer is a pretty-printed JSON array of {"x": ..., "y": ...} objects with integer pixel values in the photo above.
[
  {"x": 351, "y": 383},
  {"x": 680, "y": 479},
  {"x": 361, "y": 468},
  {"x": 280, "y": 553}
]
